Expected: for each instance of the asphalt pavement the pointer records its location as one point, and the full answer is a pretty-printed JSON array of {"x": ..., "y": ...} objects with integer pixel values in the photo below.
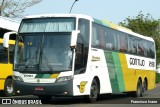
[{"x": 121, "y": 100}]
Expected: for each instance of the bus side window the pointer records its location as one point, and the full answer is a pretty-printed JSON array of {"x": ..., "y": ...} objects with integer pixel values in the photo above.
[
  {"x": 123, "y": 43},
  {"x": 11, "y": 53},
  {"x": 145, "y": 47},
  {"x": 111, "y": 39},
  {"x": 134, "y": 46},
  {"x": 151, "y": 52},
  {"x": 95, "y": 41},
  {"x": 102, "y": 43},
  {"x": 140, "y": 47},
  {"x": 130, "y": 44},
  {"x": 3, "y": 55}
]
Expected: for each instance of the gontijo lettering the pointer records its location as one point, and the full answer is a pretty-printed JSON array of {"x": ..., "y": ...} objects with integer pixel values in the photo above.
[{"x": 136, "y": 61}]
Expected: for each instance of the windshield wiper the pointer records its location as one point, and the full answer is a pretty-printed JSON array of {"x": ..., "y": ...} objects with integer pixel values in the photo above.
[
  {"x": 42, "y": 55},
  {"x": 47, "y": 62},
  {"x": 30, "y": 63}
]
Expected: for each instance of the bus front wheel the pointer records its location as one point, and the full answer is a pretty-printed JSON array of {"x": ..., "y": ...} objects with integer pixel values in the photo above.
[
  {"x": 93, "y": 92},
  {"x": 8, "y": 88}
]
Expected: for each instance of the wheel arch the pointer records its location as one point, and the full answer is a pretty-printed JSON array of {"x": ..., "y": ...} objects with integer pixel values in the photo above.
[
  {"x": 98, "y": 83},
  {"x": 146, "y": 80},
  {"x": 139, "y": 78},
  {"x": 9, "y": 77}
]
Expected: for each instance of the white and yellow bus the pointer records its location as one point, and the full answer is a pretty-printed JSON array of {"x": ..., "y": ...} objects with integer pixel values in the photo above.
[
  {"x": 77, "y": 55},
  {"x": 6, "y": 63}
]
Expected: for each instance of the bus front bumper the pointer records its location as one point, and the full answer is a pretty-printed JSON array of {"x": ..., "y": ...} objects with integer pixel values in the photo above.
[{"x": 54, "y": 89}]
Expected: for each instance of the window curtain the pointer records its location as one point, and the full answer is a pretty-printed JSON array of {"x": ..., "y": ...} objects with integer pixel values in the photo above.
[{"x": 54, "y": 25}]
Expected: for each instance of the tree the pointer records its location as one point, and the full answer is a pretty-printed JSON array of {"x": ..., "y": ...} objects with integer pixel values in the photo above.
[
  {"x": 147, "y": 26},
  {"x": 15, "y": 8}
]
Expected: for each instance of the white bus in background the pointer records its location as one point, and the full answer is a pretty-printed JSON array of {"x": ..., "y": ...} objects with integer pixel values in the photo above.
[{"x": 77, "y": 55}]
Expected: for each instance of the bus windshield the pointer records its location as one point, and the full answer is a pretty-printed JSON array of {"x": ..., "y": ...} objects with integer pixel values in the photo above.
[{"x": 43, "y": 52}]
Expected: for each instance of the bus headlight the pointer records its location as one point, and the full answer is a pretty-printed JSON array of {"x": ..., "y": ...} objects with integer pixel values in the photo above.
[
  {"x": 17, "y": 78},
  {"x": 65, "y": 78}
]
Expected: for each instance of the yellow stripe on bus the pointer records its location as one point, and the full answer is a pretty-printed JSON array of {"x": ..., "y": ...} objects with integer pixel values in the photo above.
[
  {"x": 128, "y": 74},
  {"x": 131, "y": 76},
  {"x": 54, "y": 75}
]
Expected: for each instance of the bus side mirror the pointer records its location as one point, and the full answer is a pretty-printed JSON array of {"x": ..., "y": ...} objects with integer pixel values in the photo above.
[
  {"x": 6, "y": 39},
  {"x": 74, "y": 37}
]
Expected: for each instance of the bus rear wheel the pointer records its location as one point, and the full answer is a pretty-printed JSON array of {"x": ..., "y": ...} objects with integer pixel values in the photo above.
[
  {"x": 8, "y": 88},
  {"x": 144, "y": 88},
  {"x": 138, "y": 92}
]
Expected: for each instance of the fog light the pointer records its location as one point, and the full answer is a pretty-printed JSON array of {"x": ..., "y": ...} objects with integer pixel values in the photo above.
[
  {"x": 65, "y": 93},
  {"x": 18, "y": 91}
]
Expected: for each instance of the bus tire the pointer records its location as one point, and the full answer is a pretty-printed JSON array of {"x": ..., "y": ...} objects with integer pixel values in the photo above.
[
  {"x": 144, "y": 88},
  {"x": 93, "y": 92},
  {"x": 8, "y": 88},
  {"x": 45, "y": 99},
  {"x": 138, "y": 92}
]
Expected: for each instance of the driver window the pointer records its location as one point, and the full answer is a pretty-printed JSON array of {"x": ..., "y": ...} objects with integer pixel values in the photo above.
[{"x": 82, "y": 44}]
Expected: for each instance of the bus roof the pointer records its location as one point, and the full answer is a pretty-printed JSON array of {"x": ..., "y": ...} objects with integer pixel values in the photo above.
[
  {"x": 60, "y": 15},
  {"x": 101, "y": 22}
]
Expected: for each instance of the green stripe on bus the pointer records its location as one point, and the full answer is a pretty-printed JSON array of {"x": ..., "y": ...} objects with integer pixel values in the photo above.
[
  {"x": 46, "y": 75},
  {"x": 39, "y": 76},
  {"x": 43, "y": 76},
  {"x": 112, "y": 71},
  {"x": 118, "y": 71}
]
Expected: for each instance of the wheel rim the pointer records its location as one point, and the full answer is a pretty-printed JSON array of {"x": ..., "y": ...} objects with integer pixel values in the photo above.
[
  {"x": 9, "y": 88},
  {"x": 144, "y": 87},
  {"x": 93, "y": 90},
  {"x": 139, "y": 91}
]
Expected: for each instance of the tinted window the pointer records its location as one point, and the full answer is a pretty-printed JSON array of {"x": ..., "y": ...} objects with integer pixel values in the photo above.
[
  {"x": 134, "y": 46},
  {"x": 123, "y": 42},
  {"x": 103, "y": 37},
  {"x": 11, "y": 53},
  {"x": 110, "y": 38},
  {"x": 3, "y": 54},
  {"x": 82, "y": 44},
  {"x": 113, "y": 40},
  {"x": 150, "y": 50},
  {"x": 140, "y": 47}
]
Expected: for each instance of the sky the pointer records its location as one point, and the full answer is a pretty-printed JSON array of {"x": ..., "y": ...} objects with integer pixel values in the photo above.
[{"x": 112, "y": 10}]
